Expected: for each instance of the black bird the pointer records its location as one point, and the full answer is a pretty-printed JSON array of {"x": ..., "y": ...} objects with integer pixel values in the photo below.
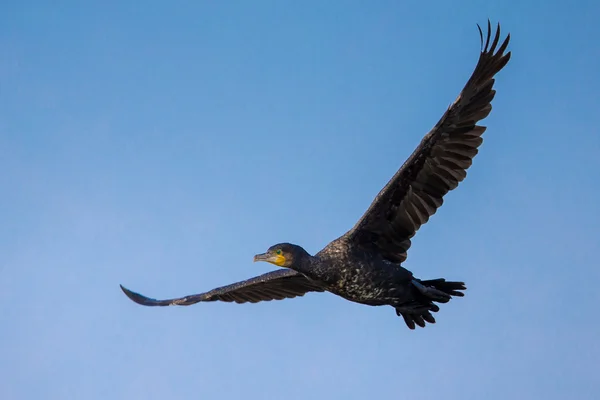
[{"x": 364, "y": 265}]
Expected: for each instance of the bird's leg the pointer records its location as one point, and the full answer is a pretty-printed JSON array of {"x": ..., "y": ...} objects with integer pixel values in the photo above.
[
  {"x": 431, "y": 292},
  {"x": 412, "y": 308}
]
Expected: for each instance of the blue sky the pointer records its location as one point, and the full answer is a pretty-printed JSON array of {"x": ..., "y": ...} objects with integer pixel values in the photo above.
[{"x": 162, "y": 145}]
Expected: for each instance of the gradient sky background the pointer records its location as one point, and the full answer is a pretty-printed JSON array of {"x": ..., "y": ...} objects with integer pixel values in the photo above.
[{"x": 162, "y": 145}]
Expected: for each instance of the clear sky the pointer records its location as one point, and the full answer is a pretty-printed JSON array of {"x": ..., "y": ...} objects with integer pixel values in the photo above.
[{"x": 162, "y": 144}]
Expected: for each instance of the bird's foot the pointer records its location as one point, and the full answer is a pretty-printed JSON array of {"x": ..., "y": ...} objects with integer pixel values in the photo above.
[
  {"x": 412, "y": 308},
  {"x": 416, "y": 316}
]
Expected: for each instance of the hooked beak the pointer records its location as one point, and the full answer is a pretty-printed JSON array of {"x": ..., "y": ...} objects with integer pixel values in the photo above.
[
  {"x": 264, "y": 257},
  {"x": 275, "y": 259}
]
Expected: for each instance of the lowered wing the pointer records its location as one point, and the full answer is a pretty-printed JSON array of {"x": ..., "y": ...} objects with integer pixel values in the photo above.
[{"x": 275, "y": 285}]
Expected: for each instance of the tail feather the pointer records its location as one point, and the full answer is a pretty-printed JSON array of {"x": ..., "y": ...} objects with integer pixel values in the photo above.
[
  {"x": 427, "y": 293},
  {"x": 448, "y": 287}
]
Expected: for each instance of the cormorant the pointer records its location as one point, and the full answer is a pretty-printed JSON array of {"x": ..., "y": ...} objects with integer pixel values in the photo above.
[{"x": 364, "y": 265}]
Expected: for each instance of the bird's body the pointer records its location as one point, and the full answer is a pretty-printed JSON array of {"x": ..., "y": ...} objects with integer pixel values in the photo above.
[
  {"x": 365, "y": 264},
  {"x": 359, "y": 276}
]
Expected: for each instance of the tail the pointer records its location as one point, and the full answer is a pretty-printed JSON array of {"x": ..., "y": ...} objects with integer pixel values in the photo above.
[
  {"x": 419, "y": 310},
  {"x": 448, "y": 288}
]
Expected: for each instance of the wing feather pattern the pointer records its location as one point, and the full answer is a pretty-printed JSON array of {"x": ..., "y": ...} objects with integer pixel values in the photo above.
[
  {"x": 275, "y": 285},
  {"x": 437, "y": 166}
]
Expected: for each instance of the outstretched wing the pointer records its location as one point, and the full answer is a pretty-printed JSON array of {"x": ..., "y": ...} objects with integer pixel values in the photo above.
[
  {"x": 437, "y": 166},
  {"x": 275, "y": 285}
]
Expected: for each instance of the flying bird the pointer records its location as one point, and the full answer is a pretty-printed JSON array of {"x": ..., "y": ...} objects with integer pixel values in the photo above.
[{"x": 365, "y": 264}]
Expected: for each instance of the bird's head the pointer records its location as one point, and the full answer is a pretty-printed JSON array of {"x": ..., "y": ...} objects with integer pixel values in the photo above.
[{"x": 284, "y": 255}]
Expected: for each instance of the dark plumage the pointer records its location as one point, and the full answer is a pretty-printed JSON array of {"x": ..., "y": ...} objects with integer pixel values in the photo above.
[{"x": 363, "y": 265}]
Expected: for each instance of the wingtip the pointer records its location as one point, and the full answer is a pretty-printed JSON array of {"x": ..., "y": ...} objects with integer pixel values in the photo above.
[
  {"x": 133, "y": 296},
  {"x": 492, "y": 39},
  {"x": 489, "y": 33},
  {"x": 480, "y": 36},
  {"x": 124, "y": 289}
]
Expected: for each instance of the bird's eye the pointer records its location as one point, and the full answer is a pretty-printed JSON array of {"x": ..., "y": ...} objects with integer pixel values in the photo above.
[{"x": 278, "y": 251}]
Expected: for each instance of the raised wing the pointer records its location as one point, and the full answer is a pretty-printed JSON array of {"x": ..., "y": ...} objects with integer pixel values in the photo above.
[
  {"x": 275, "y": 285},
  {"x": 437, "y": 166}
]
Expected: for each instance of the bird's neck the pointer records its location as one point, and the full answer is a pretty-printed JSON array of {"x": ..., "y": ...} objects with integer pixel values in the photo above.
[{"x": 304, "y": 264}]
